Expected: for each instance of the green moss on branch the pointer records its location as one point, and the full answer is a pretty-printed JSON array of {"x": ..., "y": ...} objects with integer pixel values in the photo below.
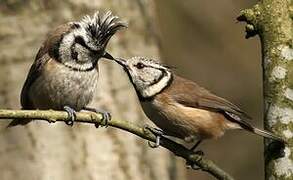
[{"x": 272, "y": 21}]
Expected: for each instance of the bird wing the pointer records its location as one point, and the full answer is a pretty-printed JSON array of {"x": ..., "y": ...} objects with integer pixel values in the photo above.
[
  {"x": 192, "y": 95},
  {"x": 48, "y": 50},
  {"x": 33, "y": 74}
]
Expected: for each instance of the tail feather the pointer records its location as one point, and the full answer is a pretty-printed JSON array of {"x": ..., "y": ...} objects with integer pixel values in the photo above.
[
  {"x": 16, "y": 122},
  {"x": 267, "y": 134}
]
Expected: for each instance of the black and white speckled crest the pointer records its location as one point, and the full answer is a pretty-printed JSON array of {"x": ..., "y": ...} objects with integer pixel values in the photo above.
[
  {"x": 86, "y": 41},
  {"x": 101, "y": 26}
]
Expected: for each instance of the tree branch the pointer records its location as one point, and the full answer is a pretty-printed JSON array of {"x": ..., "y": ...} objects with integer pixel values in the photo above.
[
  {"x": 94, "y": 118},
  {"x": 272, "y": 21}
]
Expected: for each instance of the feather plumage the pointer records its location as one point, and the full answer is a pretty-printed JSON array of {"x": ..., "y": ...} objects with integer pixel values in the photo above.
[{"x": 102, "y": 26}]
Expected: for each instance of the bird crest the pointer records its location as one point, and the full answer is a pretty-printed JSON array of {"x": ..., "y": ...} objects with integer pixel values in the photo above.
[{"x": 101, "y": 26}]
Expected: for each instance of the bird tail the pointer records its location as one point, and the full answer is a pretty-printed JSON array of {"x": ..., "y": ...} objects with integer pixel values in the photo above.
[
  {"x": 16, "y": 122},
  {"x": 245, "y": 125},
  {"x": 267, "y": 134}
]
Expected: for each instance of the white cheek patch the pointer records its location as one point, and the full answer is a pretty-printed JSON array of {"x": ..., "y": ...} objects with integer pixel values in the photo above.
[
  {"x": 67, "y": 42},
  {"x": 81, "y": 32},
  {"x": 65, "y": 51},
  {"x": 157, "y": 87}
]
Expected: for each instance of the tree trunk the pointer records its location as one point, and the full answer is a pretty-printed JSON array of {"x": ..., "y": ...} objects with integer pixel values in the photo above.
[
  {"x": 42, "y": 151},
  {"x": 272, "y": 21}
]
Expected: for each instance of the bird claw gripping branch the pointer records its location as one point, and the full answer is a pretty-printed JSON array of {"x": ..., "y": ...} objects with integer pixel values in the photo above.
[
  {"x": 71, "y": 115},
  {"x": 106, "y": 116},
  {"x": 157, "y": 132}
]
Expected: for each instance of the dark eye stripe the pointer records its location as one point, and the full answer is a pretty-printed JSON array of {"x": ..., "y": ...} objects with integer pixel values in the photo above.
[
  {"x": 80, "y": 40},
  {"x": 162, "y": 69},
  {"x": 140, "y": 65}
]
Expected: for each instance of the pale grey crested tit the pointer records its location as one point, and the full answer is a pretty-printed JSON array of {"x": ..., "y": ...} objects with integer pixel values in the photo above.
[
  {"x": 180, "y": 107},
  {"x": 65, "y": 72}
]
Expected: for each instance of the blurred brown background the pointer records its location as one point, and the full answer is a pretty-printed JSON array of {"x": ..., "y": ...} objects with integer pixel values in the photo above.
[
  {"x": 206, "y": 44},
  {"x": 201, "y": 38}
]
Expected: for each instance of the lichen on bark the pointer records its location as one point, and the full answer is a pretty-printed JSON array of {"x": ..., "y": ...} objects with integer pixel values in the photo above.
[{"x": 272, "y": 21}]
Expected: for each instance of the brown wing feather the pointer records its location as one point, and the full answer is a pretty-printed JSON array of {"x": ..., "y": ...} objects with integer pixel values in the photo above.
[
  {"x": 33, "y": 74},
  {"x": 192, "y": 95},
  {"x": 48, "y": 50},
  {"x": 45, "y": 53}
]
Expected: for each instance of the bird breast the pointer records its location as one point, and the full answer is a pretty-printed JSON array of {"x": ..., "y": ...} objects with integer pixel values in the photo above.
[{"x": 59, "y": 86}]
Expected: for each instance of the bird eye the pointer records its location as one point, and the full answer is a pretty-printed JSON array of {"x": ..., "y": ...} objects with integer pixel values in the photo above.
[
  {"x": 139, "y": 65},
  {"x": 80, "y": 41}
]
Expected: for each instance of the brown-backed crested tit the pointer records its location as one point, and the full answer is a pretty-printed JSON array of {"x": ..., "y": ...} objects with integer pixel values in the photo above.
[
  {"x": 65, "y": 73},
  {"x": 180, "y": 107}
]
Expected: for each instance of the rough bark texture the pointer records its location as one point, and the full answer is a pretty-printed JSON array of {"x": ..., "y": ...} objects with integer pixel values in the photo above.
[
  {"x": 40, "y": 151},
  {"x": 272, "y": 21}
]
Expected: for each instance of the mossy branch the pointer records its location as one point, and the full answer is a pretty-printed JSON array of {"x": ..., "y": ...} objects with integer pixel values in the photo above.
[
  {"x": 93, "y": 118},
  {"x": 272, "y": 21}
]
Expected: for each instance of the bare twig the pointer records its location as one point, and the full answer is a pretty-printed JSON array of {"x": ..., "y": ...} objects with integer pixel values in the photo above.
[{"x": 93, "y": 118}]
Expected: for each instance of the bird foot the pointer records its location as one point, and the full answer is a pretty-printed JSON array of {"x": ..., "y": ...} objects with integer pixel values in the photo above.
[
  {"x": 193, "y": 165},
  {"x": 158, "y": 133},
  {"x": 106, "y": 116},
  {"x": 199, "y": 152},
  {"x": 71, "y": 115}
]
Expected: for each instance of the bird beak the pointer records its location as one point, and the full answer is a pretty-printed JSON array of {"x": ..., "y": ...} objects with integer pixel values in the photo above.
[
  {"x": 120, "y": 61},
  {"x": 108, "y": 56}
]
